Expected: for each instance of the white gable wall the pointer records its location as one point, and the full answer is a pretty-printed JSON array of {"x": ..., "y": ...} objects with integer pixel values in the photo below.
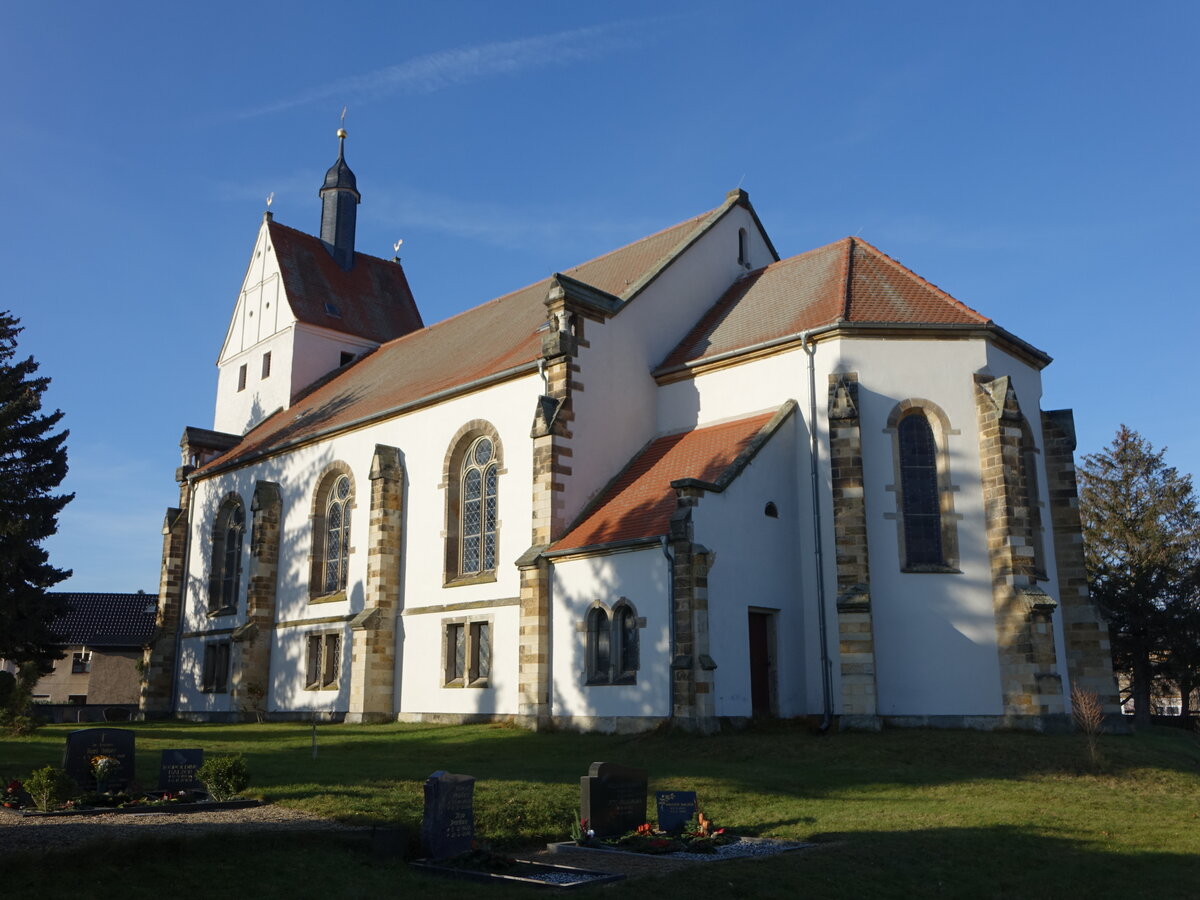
[{"x": 615, "y": 412}]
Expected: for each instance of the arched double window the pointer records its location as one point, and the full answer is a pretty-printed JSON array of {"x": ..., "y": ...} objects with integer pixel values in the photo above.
[
  {"x": 924, "y": 496},
  {"x": 612, "y": 644},
  {"x": 229, "y": 530},
  {"x": 474, "y": 465},
  {"x": 332, "y": 508}
]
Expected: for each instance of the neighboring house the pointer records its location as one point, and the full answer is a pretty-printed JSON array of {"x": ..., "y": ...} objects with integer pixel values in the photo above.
[
  {"x": 684, "y": 481},
  {"x": 103, "y": 640}
]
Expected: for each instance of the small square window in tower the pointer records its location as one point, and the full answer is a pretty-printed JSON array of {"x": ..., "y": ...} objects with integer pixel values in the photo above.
[{"x": 266, "y": 365}]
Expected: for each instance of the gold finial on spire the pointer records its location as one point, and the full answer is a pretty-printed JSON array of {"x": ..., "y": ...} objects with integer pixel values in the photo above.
[{"x": 341, "y": 132}]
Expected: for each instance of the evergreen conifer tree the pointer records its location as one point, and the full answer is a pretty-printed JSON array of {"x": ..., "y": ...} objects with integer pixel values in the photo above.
[
  {"x": 33, "y": 462},
  {"x": 1141, "y": 530}
]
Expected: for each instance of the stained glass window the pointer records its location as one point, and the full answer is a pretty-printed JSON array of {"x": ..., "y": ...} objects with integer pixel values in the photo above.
[
  {"x": 479, "y": 508},
  {"x": 337, "y": 535},
  {"x": 919, "y": 492}
]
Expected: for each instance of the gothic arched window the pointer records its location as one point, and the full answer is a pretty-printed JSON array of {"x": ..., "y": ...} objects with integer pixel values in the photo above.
[
  {"x": 479, "y": 509},
  {"x": 337, "y": 536},
  {"x": 473, "y": 466},
  {"x": 919, "y": 493},
  {"x": 599, "y": 646},
  {"x": 229, "y": 529},
  {"x": 924, "y": 495},
  {"x": 333, "y": 505}
]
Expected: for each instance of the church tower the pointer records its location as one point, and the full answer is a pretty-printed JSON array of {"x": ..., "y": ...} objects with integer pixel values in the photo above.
[
  {"x": 339, "y": 207},
  {"x": 308, "y": 307}
]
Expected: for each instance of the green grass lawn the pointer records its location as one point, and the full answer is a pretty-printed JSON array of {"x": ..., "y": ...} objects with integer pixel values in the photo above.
[{"x": 897, "y": 814}]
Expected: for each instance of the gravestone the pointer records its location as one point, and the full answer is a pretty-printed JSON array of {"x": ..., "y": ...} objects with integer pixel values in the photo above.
[
  {"x": 87, "y": 743},
  {"x": 177, "y": 770},
  {"x": 675, "y": 809},
  {"x": 612, "y": 798},
  {"x": 448, "y": 826}
]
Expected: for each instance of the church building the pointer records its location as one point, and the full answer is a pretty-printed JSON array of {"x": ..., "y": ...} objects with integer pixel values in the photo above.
[{"x": 684, "y": 482}]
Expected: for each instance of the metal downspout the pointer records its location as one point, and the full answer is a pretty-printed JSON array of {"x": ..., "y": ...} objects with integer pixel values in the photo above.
[{"x": 810, "y": 349}]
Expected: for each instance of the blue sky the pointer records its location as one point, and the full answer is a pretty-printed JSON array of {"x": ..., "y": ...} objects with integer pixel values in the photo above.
[{"x": 1036, "y": 160}]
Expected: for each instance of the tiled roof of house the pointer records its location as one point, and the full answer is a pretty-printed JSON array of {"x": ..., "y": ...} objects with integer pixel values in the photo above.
[
  {"x": 848, "y": 281},
  {"x": 482, "y": 342},
  {"x": 106, "y": 620},
  {"x": 372, "y": 300},
  {"x": 640, "y": 500}
]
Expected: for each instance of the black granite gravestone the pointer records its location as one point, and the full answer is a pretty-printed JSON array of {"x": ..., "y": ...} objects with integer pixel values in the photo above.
[
  {"x": 448, "y": 826},
  {"x": 177, "y": 770},
  {"x": 675, "y": 809},
  {"x": 85, "y": 745},
  {"x": 612, "y": 798}
]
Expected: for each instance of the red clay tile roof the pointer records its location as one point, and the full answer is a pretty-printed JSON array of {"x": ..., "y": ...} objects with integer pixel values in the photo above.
[
  {"x": 482, "y": 342},
  {"x": 639, "y": 502},
  {"x": 811, "y": 290},
  {"x": 372, "y": 300},
  {"x": 105, "y": 620}
]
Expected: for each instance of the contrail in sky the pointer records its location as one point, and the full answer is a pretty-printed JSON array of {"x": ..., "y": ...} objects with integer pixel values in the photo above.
[{"x": 449, "y": 68}]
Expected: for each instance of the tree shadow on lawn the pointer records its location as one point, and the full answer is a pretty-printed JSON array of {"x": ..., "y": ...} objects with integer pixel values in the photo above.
[{"x": 781, "y": 759}]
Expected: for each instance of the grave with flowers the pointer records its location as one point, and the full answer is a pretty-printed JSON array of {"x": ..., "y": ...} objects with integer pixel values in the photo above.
[
  {"x": 98, "y": 775},
  {"x": 612, "y": 804},
  {"x": 452, "y": 848}
]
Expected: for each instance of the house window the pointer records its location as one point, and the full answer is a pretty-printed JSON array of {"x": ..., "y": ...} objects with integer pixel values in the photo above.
[
  {"x": 77, "y": 699},
  {"x": 468, "y": 654},
  {"x": 266, "y": 365},
  {"x": 743, "y": 257},
  {"x": 81, "y": 663},
  {"x": 927, "y": 531},
  {"x": 473, "y": 472},
  {"x": 228, "y": 532},
  {"x": 333, "y": 504},
  {"x": 324, "y": 661},
  {"x": 215, "y": 677},
  {"x": 612, "y": 644},
  {"x": 242, "y": 377}
]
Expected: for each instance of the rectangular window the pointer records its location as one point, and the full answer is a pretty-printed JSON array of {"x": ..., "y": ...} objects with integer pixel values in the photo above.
[
  {"x": 467, "y": 652},
  {"x": 324, "y": 662},
  {"x": 266, "y": 368},
  {"x": 215, "y": 677},
  {"x": 242, "y": 377},
  {"x": 81, "y": 662},
  {"x": 77, "y": 699}
]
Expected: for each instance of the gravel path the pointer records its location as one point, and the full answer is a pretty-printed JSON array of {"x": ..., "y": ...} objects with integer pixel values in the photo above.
[{"x": 25, "y": 833}]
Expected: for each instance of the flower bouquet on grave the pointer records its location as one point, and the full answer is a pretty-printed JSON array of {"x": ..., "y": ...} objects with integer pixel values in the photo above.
[
  {"x": 102, "y": 767},
  {"x": 14, "y": 796},
  {"x": 582, "y": 835}
]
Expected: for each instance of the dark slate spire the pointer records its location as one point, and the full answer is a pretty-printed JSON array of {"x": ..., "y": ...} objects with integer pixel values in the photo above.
[{"x": 339, "y": 201}]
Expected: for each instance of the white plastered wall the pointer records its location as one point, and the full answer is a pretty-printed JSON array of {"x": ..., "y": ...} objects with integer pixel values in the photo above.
[
  {"x": 423, "y": 437},
  {"x": 615, "y": 413},
  {"x": 758, "y": 566},
  {"x": 640, "y": 576}
]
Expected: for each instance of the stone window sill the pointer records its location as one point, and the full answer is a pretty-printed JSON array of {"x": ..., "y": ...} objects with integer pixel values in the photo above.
[
  {"x": 223, "y": 611},
  {"x": 931, "y": 570},
  {"x": 463, "y": 580},
  {"x": 335, "y": 597}
]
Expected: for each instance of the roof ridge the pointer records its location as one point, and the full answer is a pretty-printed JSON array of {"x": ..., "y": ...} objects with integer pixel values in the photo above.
[
  {"x": 945, "y": 295},
  {"x": 313, "y": 237}
]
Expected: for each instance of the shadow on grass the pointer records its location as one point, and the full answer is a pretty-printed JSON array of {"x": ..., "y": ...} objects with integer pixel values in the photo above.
[{"x": 942, "y": 862}]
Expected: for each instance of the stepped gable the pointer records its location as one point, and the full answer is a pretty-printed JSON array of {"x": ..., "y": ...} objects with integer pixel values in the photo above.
[
  {"x": 847, "y": 281},
  {"x": 639, "y": 502},
  {"x": 105, "y": 620},
  {"x": 481, "y": 343},
  {"x": 371, "y": 300}
]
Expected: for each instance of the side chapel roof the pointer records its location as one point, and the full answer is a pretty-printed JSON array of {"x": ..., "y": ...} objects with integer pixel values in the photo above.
[
  {"x": 484, "y": 342},
  {"x": 640, "y": 501},
  {"x": 105, "y": 620},
  {"x": 371, "y": 300},
  {"x": 848, "y": 282}
]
